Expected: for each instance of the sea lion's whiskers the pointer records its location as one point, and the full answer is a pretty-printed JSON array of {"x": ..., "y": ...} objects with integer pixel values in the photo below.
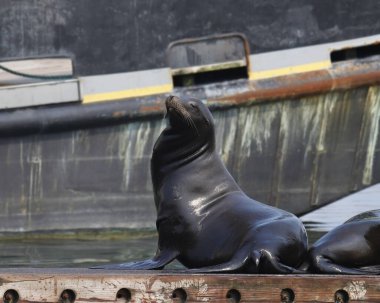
[
  {"x": 192, "y": 124},
  {"x": 181, "y": 110}
]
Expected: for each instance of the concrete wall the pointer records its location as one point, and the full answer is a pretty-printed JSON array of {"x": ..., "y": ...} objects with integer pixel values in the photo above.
[{"x": 109, "y": 36}]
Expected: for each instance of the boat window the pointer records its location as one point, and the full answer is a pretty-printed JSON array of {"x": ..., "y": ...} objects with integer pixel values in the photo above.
[
  {"x": 208, "y": 59},
  {"x": 359, "y": 52}
]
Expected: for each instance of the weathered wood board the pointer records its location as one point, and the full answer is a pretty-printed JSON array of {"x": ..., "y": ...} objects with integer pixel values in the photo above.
[
  {"x": 86, "y": 285},
  {"x": 44, "y": 67}
]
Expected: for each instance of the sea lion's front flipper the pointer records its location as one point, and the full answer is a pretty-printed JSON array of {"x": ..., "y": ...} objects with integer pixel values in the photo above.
[
  {"x": 323, "y": 265},
  {"x": 161, "y": 259}
]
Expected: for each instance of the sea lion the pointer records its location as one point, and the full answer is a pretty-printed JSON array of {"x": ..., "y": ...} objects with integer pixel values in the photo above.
[
  {"x": 204, "y": 220},
  {"x": 352, "y": 248}
]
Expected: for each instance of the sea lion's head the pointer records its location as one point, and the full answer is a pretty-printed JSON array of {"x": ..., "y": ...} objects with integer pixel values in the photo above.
[
  {"x": 367, "y": 215},
  {"x": 190, "y": 129},
  {"x": 189, "y": 115}
]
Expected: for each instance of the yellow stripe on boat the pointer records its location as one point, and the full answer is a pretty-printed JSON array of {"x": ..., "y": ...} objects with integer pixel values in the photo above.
[
  {"x": 129, "y": 93},
  {"x": 258, "y": 75}
]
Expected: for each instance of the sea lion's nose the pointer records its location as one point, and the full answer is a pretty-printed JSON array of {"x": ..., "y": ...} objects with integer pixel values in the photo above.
[{"x": 169, "y": 100}]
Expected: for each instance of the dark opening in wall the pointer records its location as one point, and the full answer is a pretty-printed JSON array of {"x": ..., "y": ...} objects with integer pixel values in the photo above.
[
  {"x": 210, "y": 76},
  {"x": 209, "y": 59},
  {"x": 359, "y": 52}
]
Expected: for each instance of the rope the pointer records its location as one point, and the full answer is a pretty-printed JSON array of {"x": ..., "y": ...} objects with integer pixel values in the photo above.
[{"x": 39, "y": 77}]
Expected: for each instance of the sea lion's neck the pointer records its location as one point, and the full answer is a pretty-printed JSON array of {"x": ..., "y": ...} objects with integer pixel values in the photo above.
[
  {"x": 174, "y": 149},
  {"x": 169, "y": 158},
  {"x": 201, "y": 175}
]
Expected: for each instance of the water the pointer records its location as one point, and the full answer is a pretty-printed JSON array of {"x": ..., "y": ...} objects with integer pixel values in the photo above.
[
  {"x": 74, "y": 253},
  {"x": 89, "y": 251},
  {"x": 56, "y": 253},
  {"x": 334, "y": 214}
]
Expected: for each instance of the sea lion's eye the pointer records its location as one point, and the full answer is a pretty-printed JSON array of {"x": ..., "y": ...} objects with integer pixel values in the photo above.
[{"x": 194, "y": 106}]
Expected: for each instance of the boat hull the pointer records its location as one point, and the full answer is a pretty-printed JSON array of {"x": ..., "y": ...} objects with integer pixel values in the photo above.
[{"x": 81, "y": 166}]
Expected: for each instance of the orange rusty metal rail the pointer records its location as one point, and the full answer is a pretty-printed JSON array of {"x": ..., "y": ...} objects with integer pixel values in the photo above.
[
  {"x": 341, "y": 76},
  {"x": 219, "y": 95},
  {"x": 84, "y": 285}
]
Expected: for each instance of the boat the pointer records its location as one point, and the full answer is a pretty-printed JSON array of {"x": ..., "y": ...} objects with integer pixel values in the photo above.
[{"x": 81, "y": 104}]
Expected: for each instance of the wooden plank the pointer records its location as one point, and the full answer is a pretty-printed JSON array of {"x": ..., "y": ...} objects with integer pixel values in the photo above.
[
  {"x": 38, "y": 67},
  {"x": 47, "y": 285}
]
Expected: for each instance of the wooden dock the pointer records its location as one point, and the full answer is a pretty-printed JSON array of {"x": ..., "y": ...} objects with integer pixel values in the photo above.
[{"x": 85, "y": 285}]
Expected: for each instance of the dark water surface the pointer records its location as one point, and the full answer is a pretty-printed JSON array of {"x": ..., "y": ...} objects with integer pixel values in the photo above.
[
  {"x": 81, "y": 253},
  {"x": 74, "y": 253}
]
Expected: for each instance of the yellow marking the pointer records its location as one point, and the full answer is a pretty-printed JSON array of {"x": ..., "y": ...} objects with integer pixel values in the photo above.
[
  {"x": 129, "y": 93},
  {"x": 160, "y": 89},
  {"x": 289, "y": 70}
]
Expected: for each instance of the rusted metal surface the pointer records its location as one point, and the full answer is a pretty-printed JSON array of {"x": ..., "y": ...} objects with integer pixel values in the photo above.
[
  {"x": 342, "y": 76},
  {"x": 55, "y": 285}
]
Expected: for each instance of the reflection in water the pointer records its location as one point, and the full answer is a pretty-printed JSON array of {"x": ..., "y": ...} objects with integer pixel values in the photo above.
[
  {"x": 73, "y": 253},
  {"x": 334, "y": 214},
  {"x": 82, "y": 253},
  {"x": 86, "y": 253}
]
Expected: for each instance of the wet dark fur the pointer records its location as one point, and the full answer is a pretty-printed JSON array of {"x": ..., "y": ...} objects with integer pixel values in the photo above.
[
  {"x": 351, "y": 248},
  {"x": 204, "y": 220}
]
